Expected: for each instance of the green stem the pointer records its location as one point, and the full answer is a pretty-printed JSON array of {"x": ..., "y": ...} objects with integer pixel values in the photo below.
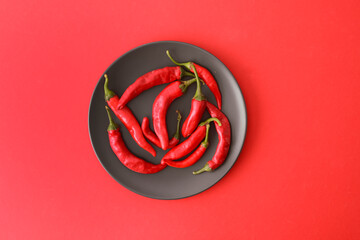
[
  {"x": 205, "y": 143},
  {"x": 185, "y": 73},
  {"x": 207, "y": 121},
  {"x": 185, "y": 84},
  {"x": 206, "y": 168},
  {"x": 112, "y": 124},
  {"x": 186, "y": 65},
  {"x": 108, "y": 94},
  {"x": 198, "y": 94},
  {"x": 177, "y": 134}
]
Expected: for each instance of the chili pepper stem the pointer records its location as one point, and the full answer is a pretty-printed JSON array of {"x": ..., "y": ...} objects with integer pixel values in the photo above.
[
  {"x": 186, "y": 65},
  {"x": 112, "y": 124},
  {"x": 185, "y": 84},
  {"x": 107, "y": 92},
  {"x": 207, "y": 121},
  {"x": 206, "y": 168},
  {"x": 189, "y": 74},
  {"x": 186, "y": 74},
  {"x": 205, "y": 143},
  {"x": 198, "y": 94},
  {"x": 177, "y": 134}
]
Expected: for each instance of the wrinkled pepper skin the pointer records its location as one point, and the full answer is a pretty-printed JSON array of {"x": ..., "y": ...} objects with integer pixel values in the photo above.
[
  {"x": 161, "y": 105},
  {"x": 224, "y": 135},
  {"x": 194, "y": 118},
  {"x": 128, "y": 159},
  {"x": 130, "y": 122},
  {"x": 194, "y": 157},
  {"x": 186, "y": 146},
  {"x": 189, "y": 161},
  {"x": 198, "y": 104},
  {"x": 127, "y": 118},
  {"x": 210, "y": 81},
  {"x": 151, "y": 136},
  {"x": 204, "y": 74},
  {"x": 149, "y": 80}
]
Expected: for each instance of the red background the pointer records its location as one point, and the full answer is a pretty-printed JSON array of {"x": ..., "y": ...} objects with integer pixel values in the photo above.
[{"x": 297, "y": 63}]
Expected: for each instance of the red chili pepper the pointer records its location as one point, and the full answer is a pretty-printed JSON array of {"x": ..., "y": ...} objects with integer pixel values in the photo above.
[
  {"x": 205, "y": 75},
  {"x": 161, "y": 105},
  {"x": 224, "y": 134},
  {"x": 194, "y": 157},
  {"x": 151, "y": 79},
  {"x": 189, "y": 144},
  {"x": 154, "y": 139},
  {"x": 124, "y": 155},
  {"x": 127, "y": 118},
  {"x": 198, "y": 105}
]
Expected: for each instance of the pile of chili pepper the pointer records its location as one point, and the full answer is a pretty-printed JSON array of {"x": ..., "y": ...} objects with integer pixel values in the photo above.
[{"x": 180, "y": 155}]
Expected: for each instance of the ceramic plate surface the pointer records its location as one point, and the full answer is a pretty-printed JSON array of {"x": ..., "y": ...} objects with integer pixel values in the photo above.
[{"x": 170, "y": 183}]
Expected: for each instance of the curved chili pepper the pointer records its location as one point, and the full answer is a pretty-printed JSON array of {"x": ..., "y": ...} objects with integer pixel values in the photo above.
[
  {"x": 154, "y": 139},
  {"x": 198, "y": 105},
  {"x": 189, "y": 144},
  {"x": 161, "y": 105},
  {"x": 224, "y": 132},
  {"x": 127, "y": 118},
  {"x": 194, "y": 157},
  {"x": 205, "y": 75},
  {"x": 151, "y": 79},
  {"x": 124, "y": 155}
]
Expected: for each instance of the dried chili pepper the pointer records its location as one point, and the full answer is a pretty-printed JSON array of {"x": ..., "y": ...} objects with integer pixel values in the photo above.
[
  {"x": 194, "y": 157},
  {"x": 205, "y": 75},
  {"x": 154, "y": 139},
  {"x": 127, "y": 118},
  {"x": 224, "y": 134},
  {"x": 151, "y": 79},
  {"x": 161, "y": 105},
  {"x": 190, "y": 143},
  {"x": 198, "y": 105},
  {"x": 130, "y": 161}
]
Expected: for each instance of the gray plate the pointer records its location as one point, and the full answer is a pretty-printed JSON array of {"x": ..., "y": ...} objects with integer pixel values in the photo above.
[{"x": 171, "y": 183}]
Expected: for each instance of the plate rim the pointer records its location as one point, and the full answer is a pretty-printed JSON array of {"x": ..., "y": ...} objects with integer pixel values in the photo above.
[{"x": 133, "y": 50}]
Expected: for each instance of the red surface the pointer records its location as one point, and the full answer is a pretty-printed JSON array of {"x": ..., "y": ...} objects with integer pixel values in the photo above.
[{"x": 297, "y": 63}]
